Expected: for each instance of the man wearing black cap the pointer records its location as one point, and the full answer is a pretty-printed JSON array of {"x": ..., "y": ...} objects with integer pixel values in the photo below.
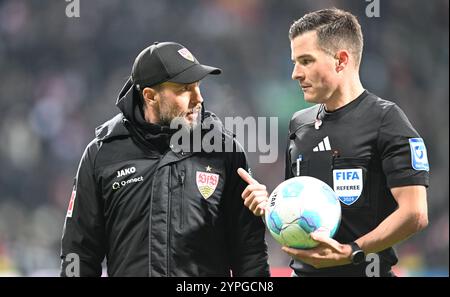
[{"x": 151, "y": 209}]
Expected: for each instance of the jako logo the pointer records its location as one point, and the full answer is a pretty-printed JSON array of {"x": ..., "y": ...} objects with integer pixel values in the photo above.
[
  {"x": 348, "y": 175},
  {"x": 126, "y": 171}
]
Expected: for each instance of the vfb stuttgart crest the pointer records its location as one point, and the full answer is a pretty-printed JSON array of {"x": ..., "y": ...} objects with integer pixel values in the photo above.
[
  {"x": 186, "y": 54},
  {"x": 206, "y": 183}
]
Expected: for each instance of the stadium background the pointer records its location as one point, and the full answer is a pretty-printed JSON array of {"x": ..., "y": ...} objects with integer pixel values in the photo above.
[{"x": 60, "y": 76}]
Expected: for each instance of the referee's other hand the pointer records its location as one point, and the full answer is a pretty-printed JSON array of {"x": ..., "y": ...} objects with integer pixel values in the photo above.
[{"x": 255, "y": 194}]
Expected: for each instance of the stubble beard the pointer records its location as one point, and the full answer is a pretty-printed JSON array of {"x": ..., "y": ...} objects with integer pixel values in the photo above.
[{"x": 167, "y": 115}]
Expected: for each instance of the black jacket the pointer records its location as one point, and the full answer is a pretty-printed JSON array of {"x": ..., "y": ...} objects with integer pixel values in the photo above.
[{"x": 154, "y": 212}]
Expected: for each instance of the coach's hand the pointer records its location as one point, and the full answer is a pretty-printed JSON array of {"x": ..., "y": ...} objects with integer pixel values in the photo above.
[
  {"x": 328, "y": 253},
  {"x": 255, "y": 195}
]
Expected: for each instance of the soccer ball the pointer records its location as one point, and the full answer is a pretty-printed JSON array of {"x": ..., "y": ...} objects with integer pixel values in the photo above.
[{"x": 299, "y": 206}]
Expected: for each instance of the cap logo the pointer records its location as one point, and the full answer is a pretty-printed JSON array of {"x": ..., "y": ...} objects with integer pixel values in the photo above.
[{"x": 186, "y": 54}]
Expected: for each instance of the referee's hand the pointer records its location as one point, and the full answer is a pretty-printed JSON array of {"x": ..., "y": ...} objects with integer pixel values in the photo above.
[{"x": 255, "y": 194}]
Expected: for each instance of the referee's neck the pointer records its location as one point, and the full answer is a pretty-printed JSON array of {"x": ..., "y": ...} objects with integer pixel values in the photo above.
[{"x": 346, "y": 93}]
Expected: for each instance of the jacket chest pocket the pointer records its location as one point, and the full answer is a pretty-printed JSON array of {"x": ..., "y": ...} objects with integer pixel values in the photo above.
[
  {"x": 181, "y": 180},
  {"x": 197, "y": 197},
  {"x": 317, "y": 165},
  {"x": 178, "y": 194},
  {"x": 350, "y": 179}
]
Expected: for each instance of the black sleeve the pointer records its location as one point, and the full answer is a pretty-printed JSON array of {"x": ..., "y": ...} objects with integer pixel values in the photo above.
[
  {"x": 402, "y": 150},
  {"x": 83, "y": 233},
  {"x": 248, "y": 249}
]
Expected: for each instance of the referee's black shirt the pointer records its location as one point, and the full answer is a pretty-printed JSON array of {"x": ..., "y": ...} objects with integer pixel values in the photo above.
[{"x": 361, "y": 150}]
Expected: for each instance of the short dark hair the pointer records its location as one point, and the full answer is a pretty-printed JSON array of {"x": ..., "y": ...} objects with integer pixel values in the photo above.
[{"x": 336, "y": 29}]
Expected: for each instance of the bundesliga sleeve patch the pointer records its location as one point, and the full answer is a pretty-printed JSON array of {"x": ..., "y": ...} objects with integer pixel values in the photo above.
[{"x": 419, "y": 157}]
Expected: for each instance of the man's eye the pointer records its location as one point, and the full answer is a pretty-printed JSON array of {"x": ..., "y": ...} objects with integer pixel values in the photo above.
[{"x": 305, "y": 62}]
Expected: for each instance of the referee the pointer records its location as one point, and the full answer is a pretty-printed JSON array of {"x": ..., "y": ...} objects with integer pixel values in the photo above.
[{"x": 364, "y": 147}]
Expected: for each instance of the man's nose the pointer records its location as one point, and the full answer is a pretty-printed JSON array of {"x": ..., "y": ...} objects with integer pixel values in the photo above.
[
  {"x": 196, "y": 96},
  {"x": 298, "y": 73}
]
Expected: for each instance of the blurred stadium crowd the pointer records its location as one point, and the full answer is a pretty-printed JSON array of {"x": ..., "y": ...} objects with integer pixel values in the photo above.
[{"x": 60, "y": 77}]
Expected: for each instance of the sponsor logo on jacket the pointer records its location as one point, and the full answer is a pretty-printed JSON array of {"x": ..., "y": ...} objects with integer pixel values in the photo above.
[{"x": 126, "y": 171}]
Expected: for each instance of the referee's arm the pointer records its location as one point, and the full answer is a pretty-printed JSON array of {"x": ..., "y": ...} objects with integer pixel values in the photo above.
[
  {"x": 410, "y": 217},
  {"x": 406, "y": 183}
]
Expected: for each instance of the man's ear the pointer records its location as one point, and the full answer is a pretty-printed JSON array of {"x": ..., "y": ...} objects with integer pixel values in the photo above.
[
  {"x": 342, "y": 59},
  {"x": 149, "y": 95}
]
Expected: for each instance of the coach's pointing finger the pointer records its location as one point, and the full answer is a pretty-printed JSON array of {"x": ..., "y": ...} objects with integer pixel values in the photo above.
[
  {"x": 247, "y": 177},
  {"x": 255, "y": 195}
]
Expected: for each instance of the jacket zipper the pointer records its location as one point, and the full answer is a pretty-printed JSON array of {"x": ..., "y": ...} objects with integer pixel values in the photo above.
[
  {"x": 169, "y": 220},
  {"x": 150, "y": 227},
  {"x": 150, "y": 221},
  {"x": 182, "y": 200}
]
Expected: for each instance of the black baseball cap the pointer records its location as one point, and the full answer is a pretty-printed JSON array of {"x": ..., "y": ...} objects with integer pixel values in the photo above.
[{"x": 168, "y": 62}]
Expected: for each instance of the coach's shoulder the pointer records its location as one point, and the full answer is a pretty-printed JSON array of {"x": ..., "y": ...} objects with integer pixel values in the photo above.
[{"x": 111, "y": 128}]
